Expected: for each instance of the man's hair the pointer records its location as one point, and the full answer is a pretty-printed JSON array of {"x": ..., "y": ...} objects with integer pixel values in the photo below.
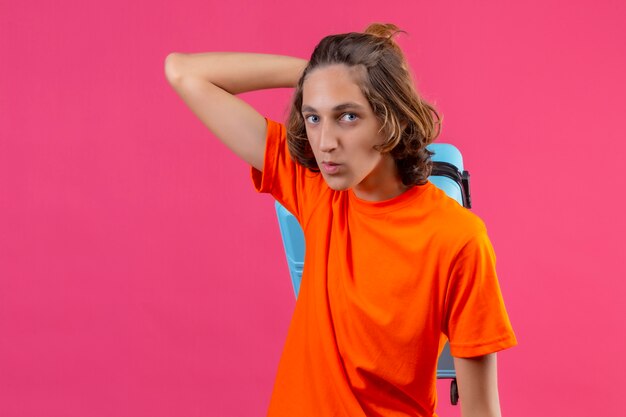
[{"x": 408, "y": 122}]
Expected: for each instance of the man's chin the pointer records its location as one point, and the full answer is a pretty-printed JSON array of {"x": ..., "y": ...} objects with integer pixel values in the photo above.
[{"x": 336, "y": 185}]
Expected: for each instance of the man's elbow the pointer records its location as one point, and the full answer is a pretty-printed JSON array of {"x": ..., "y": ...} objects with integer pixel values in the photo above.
[{"x": 172, "y": 67}]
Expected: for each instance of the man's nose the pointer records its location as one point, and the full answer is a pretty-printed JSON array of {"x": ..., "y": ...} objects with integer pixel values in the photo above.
[{"x": 328, "y": 138}]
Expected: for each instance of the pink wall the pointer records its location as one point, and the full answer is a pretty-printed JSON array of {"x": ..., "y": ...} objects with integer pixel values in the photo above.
[{"x": 141, "y": 275}]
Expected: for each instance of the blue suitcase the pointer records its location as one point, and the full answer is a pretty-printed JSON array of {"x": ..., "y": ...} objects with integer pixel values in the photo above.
[{"x": 448, "y": 174}]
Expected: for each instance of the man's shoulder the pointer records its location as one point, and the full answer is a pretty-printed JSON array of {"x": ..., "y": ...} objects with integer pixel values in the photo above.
[{"x": 452, "y": 221}]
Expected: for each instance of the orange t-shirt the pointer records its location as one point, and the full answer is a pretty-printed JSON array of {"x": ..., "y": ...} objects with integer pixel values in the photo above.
[{"x": 384, "y": 285}]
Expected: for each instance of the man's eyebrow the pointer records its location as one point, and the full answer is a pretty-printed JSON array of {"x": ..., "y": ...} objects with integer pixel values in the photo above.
[{"x": 337, "y": 108}]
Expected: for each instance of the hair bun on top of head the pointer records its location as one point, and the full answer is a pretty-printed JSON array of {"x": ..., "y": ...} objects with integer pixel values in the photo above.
[
  {"x": 385, "y": 31},
  {"x": 382, "y": 30}
]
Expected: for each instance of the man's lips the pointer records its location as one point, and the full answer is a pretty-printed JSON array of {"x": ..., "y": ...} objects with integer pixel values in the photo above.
[{"x": 330, "y": 167}]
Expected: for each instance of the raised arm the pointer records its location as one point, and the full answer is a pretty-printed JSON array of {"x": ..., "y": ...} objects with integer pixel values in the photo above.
[
  {"x": 208, "y": 82},
  {"x": 478, "y": 386}
]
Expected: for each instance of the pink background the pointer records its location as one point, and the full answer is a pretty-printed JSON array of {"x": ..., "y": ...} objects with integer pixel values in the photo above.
[{"x": 141, "y": 275}]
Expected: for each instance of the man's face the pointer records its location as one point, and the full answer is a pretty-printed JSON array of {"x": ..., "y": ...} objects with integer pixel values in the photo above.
[{"x": 342, "y": 129}]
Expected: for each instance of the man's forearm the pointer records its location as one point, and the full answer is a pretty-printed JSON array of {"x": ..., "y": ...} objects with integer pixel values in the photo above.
[{"x": 237, "y": 72}]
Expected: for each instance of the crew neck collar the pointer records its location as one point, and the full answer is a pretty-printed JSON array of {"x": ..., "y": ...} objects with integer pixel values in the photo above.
[{"x": 385, "y": 206}]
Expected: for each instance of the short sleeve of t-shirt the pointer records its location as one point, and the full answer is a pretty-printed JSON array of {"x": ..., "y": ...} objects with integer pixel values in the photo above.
[
  {"x": 290, "y": 183},
  {"x": 476, "y": 322}
]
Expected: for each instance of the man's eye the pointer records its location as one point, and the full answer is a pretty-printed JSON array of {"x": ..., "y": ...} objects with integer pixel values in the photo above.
[
  {"x": 349, "y": 117},
  {"x": 312, "y": 118}
]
